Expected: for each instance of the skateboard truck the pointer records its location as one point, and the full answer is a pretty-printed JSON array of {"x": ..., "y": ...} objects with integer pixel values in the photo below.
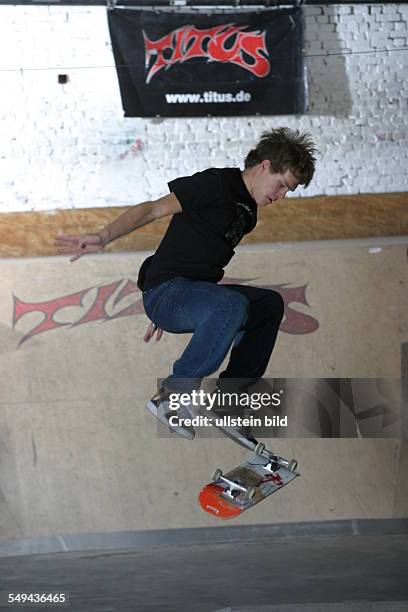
[
  {"x": 233, "y": 487},
  {"x": 275, "y": 462}
]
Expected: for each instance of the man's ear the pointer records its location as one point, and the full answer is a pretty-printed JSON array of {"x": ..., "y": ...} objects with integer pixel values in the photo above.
[{"x": 265, "y": 165}]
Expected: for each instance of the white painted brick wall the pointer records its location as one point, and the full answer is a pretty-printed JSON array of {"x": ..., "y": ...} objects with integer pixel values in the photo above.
[{"x": 65, "y": 146}]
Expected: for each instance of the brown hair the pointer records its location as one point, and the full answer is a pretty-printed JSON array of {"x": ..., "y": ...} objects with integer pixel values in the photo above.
[{"x": 286, "y": 149}]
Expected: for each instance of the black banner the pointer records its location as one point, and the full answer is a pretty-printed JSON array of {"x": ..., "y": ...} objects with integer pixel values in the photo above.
[{"x": 194, "y": 65}]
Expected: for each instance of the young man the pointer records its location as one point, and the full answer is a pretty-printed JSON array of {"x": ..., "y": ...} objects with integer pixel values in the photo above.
[{"x": 212, "y": 210}]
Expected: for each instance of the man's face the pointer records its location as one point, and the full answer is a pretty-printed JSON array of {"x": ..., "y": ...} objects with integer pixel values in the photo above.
[{"x": 267, "y": 187}]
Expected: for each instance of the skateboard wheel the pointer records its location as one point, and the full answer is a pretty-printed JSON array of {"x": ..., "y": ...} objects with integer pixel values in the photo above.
[
  {"x": 292, "y": 465},
  {"x": 250, "y": 492},
  {"x": 259, "y": 448},
  {"x": 216, "y": 475}
]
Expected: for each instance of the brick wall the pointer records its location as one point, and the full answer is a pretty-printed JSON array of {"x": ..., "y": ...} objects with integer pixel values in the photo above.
[{"x": 67, "y": 146}]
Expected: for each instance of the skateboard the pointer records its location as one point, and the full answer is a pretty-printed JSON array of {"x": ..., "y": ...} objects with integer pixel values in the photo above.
[{"x": 231, "y": 494}]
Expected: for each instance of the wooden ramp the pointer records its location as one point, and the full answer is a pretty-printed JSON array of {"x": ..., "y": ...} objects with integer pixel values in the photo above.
[{"x": 79, "y": 452}]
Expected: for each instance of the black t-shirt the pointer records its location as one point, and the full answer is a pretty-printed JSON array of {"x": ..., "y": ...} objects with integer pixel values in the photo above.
[{"x": 217, "y": 210}]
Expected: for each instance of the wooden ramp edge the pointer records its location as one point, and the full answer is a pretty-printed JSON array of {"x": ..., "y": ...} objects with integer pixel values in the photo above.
[{"x": 31, "y": 234}]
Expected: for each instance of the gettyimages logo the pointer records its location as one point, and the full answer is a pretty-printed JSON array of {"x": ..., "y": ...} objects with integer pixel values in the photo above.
[
  {"x": 222, "y": 405},
  {"x": 223, "y": 400},
  {"x": 296, "y": 408},
  {"x": 224, "y": 43}
]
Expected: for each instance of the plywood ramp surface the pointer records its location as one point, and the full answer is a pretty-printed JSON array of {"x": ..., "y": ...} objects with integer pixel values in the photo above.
[{"x": 80, "y": 453}]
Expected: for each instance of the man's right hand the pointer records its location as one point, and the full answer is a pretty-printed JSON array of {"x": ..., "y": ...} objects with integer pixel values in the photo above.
[
  {"x": 78, "y": 245},
  {"x": 151, "y": 330}
]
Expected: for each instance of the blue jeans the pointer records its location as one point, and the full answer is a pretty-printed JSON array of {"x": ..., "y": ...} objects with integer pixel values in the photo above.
[{"x": 218, "y": 316}]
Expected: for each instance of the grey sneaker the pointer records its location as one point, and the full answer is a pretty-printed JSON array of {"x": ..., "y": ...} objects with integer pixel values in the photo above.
[
  {"x": 247, "y": 431},
  {"x": 174, "y": 419},
  {"x": 220, "y": 418}
]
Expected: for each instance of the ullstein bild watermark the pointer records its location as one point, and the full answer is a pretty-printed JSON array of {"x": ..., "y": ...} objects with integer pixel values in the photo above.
[{"x": 230, "y": 421}]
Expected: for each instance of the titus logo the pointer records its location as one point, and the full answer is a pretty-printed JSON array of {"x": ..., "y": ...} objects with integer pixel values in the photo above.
[
  {"x": 108, "y": 304},
  {"x": 225, "y": 43}
]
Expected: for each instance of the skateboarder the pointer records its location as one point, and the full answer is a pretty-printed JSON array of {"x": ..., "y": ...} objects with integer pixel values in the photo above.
[{"x": 211, "y": 212}]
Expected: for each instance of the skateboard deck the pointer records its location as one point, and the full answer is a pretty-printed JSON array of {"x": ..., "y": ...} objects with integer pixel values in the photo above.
[{"x": 231, "y": 494}]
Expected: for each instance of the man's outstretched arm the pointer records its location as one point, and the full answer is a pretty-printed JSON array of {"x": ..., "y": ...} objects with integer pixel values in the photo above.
[{"x": 137, "y": 216}]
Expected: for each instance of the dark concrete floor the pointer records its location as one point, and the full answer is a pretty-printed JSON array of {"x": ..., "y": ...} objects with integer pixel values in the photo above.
[
  {"x": 348, "y": 606},
  {"x": 234, "y": 575}
]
